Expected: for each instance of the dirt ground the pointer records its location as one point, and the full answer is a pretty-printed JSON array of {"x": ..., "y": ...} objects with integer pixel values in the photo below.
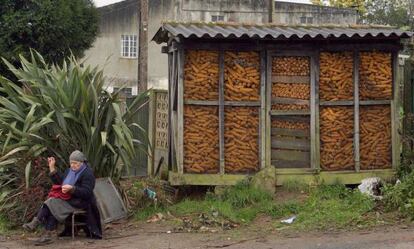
[{"x": 257, "y": 236}]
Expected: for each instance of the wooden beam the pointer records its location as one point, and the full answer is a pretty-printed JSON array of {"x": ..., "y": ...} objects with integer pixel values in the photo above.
[
  {"x": 268, "y": 145},
  {"x": 337, "y": 103},
  {"x": 374, "y": 102},
  {"x": 345, "y": 177},
  {"x": 180, "y": 111},
  {"x": 221, "y": 112},
  {"x": 395, "y": 117},
  {"x": 299, "y": 144},
  {"x": 290, "y": 164},
  {"x": 290, "y": 101},
  {"x": 290, "y": 132},
  {"x": 243, "y": 103},
  {"x": 201, "y": 102},
  {"x": 169, "y": 141},
  {"x": 356, "y": 111},
  {"x": 291, "y": 79},
  {"x": 291, "y": 155},
  {"x": 176, "y": 179},
  {"x": 289, "y": 47},
  {"x": 315, "y": 132},
  {"x": 173, "y": 105},
  {"x": 289, "y": 112},
  {"x": 262, "y": 117},
  {"x": 283, "y": 176},
  {"x": 294, "y": 118}
]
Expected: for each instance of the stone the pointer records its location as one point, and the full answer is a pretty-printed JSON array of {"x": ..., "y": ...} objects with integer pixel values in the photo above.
[{"x": 265, "y": 180}]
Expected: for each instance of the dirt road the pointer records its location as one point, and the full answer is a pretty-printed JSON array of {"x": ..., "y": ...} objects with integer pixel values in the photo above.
[{"x": 155, "y": 236}]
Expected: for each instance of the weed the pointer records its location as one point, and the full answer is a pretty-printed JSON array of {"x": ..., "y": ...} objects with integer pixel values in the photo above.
[
  {"x": 148, "y": 211},
  {"x": 327, "y": 207},
  {"x": 332, "y": 207},
  {"x": 294, "y": 185},
  {"x": 3, "y": 225},
  {"x": 400, "y": 196}
]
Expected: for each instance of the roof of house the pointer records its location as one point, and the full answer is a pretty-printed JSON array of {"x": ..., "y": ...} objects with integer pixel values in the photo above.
[{"x": 272, "y": 31}]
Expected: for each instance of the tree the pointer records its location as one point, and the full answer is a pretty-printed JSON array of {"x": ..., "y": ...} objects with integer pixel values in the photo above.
[
  {"x": 359, "y": 5},
  {"x": 390, "y": 12},
  {"x": 386, "y": 12},
  {"x": 55, "y": 28}
]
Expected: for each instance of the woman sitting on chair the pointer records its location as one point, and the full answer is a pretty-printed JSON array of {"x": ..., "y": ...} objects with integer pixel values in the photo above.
[{"x": 71, "y": 191}]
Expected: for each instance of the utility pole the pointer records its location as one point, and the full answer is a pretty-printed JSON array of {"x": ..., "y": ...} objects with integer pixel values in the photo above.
[
  {"x": 143, "y": 46},
  {"x": 270, "y": 9}
]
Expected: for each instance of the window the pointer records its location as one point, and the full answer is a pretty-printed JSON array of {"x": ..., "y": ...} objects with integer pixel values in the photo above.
[
  {"x": 126, "y": 91},
  {"x": 303, "y": 19},
  {"x": 129, "y": 46},
  {"x": 306, "y": 20},
  {"x": 217, "y": 18}
]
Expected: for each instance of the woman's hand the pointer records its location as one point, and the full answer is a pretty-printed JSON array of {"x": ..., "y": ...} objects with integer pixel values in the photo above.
[
  {"x": 51, "y": 162},
  {"x": 67, "y": 188}
]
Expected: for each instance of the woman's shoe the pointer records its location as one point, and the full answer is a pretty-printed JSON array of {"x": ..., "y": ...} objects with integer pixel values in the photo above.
[
  {"x": 45, "y": 239},
  {"x": 31, "y": 226}
]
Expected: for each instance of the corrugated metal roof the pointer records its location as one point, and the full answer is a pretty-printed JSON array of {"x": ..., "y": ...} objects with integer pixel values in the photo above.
[{"x": 225, "y": 30}]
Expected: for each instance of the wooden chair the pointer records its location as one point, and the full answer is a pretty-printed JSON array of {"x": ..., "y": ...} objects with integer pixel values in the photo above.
[{"x": 77, "y": 212}]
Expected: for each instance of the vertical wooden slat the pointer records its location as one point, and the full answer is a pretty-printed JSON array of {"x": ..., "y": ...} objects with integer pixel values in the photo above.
[
  {"x": 170, "y": 77},
  {"x": 174, "y": 134},
  {"x": 180, "y": 111},
  {"x": 395, "y": 105},
  {"x": 151, "y": 131},
  {"x": 314, "y": 108},
  {"x": 221, "y": 111},
  {"x": 356, "y": 111},
  {"x": 268, "y": 136},
  {"x": 262, "y": 117},
  {"x": 407, "y": 100}
]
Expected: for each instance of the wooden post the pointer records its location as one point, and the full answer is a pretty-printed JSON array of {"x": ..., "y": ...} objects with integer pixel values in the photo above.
[
  {"x": 263, "y": 116},
  {"x": 314, "y": 108},
  {"x": 151, "y": 131},
  {"x": 395, "y": 117},
  {"x": 268, "y": 108},
  {"x": 180, "y": 112},
  {"x": 170, "y": 77},
  {"x": 356, "y": 111},
  {"x": 221, "y": 111},
  {"x": 143, "y": 46}
]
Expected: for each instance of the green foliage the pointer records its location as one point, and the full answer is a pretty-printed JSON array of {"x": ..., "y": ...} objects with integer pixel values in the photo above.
[
  {"x": 3, "y": 225},
  {"x": 55, "y": 28},
  {"x": 384, "y": 12},
  {"x": 357, "y": 4},
  {"x": 242, "y": 195},
  {"x": 401, "y": 196},
  {"x": 59, "y": 109},
  {"x": 389, "y": 12},
  {"x": 332, "y": 207}
]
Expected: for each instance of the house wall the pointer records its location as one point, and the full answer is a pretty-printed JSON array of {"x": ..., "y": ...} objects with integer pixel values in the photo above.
[
  {"x": 291, "y": 13},
  {"x": 116, "y": 20},
  {"x": 123, "y": 18},
  {"x": 247, "y": 11}
]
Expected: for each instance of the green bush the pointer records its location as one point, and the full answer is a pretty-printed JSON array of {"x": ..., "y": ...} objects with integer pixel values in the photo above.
[
  {"x": 400, "y": 196},
  {"x": 54, "y": 110}
]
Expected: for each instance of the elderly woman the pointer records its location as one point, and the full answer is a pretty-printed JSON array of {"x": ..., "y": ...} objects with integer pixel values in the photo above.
[{"x": 71, "y": 190}]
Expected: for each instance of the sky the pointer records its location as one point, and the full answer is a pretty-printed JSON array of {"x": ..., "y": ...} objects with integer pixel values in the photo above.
[{"x": 100, "y": 3}]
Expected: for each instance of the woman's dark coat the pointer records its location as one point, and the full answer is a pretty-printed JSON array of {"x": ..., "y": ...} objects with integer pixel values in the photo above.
[{"x": 83, "y": 198}]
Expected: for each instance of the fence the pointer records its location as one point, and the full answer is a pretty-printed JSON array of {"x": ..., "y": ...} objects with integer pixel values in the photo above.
[{"x": 153, "y": 117}]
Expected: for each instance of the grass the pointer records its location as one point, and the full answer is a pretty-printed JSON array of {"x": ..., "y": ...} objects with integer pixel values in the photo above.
[
  {"x": 3, "y": 225},
  {"x": 333, "y": 207},
  {"x": 326, "y": 207}
]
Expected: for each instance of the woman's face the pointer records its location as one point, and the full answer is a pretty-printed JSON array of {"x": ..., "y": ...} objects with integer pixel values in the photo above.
[{"x": 75, "y": 165}]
